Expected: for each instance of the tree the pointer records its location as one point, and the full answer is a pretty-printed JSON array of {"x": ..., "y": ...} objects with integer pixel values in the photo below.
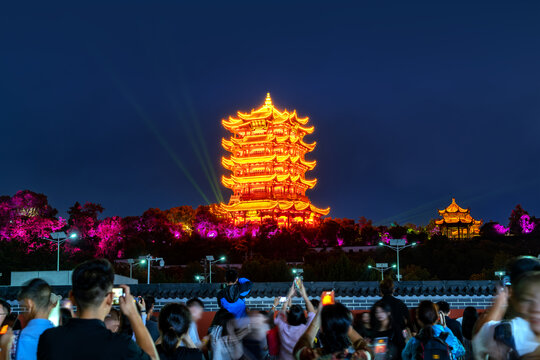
[
  {"x": 84, "y": 219},
  {"x": 414, "y": 272},
  {"x": 181, "y": 215},
  {"x": 109, "y": 234},
  {"x": 328, "y": 233},
  {"x": 515, "y": 220},
  {"x": 369, "y": 234},
  {"x": 348, "y": 232},
  {"x": 27, "y": 217}
]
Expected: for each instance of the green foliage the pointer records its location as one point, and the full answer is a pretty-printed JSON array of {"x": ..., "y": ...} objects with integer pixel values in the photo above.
[
  {"x": 416, "y": 273},
  {"x": 264, "y": 250}
]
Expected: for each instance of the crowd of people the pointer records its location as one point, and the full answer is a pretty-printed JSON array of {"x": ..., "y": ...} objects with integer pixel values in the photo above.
[{"x": 108, "y": 326}]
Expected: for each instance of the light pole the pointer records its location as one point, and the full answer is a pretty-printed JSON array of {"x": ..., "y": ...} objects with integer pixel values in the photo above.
[
  {"x": 147, "y": 259},
  {"x": 131, "y": 262},
  {"x": 500, "y": 274},
  {"x": 199, "y": 278},
  {"x": 211, "y": 261},
  {"x": 397, "y": 245},
  {"x": 60, "y": 237},
  {"x": 382, "y": 267}
]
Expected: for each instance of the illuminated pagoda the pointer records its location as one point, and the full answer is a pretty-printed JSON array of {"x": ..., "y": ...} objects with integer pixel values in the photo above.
[
  {"x": 268, "y": 168},
  {"x": 457, "y": 222}
]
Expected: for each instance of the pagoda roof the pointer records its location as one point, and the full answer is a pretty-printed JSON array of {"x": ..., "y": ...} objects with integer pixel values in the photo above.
[
  {"x": 233, "y": 180},
  {"x": 233, "y": 160},
  {"x": 269, "y": 113},
  {"x": 453, "y": 208},
  {"x": 229, "y": 145},
  {"x": 455, "y": 220},
  {"x": 275, "y": 204}
]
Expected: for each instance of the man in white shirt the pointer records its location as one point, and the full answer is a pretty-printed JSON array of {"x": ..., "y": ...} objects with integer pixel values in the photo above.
[{"x": 522, "y": 334}]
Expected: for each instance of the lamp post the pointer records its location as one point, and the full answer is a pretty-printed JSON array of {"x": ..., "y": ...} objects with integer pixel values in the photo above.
[
  {"x": 199, "y": 278},
  {"x": 397, "y": 245},
  {"x": 500, "y": 274},
  {"x": 382, "y": 267},
  {"x": 131, "y": 262},
  {"x": 298, "y": 273},
  {"x": 147, "y": 259},
  {"x": 60, "y": 237},
  {"x": 211, "y": 261}
]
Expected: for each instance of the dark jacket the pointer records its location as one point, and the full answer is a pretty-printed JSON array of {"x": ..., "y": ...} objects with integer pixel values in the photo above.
[
  {"x": 400, "y": 312},
  {"x": 455, "y": 326},
  {"x": 152, "y": 326},
  {"x": 181, "y": 353},
  {"x": 231, "y": 298}
]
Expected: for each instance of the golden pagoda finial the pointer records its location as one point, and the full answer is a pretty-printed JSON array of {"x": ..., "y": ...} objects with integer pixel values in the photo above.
[{"x": 268, "y": 101}]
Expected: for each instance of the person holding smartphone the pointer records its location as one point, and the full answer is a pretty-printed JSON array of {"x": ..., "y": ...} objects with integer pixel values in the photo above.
[
  {"x": 333, "y": 325},
  {"x": 86, "y": 337},
  {"x": 519, "y": 336},
  {"x": 292, "y": 321}
]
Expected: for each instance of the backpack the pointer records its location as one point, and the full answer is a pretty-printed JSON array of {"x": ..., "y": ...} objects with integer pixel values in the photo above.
[{"x": 434, "y": 348}]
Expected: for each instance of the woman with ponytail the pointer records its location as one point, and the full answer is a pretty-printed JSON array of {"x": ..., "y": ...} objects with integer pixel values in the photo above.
[
  {"x": 432, "y": 323},
  {"x": 173, "y": 324}
]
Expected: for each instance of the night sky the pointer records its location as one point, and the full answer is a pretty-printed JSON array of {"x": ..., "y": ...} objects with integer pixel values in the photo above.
[{"x": 412, "y": 104}]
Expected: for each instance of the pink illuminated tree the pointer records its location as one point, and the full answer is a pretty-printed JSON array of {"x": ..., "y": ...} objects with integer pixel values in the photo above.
[
  {"x": 109, "y": 237},
  {"x": 27, "y": 217},
  {"x": 515, "y": 220}
]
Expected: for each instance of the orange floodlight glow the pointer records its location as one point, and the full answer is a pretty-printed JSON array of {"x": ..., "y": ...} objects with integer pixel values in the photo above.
[
  {"x": 327, "y": 298},
  {"x": 268, "y": 167}
]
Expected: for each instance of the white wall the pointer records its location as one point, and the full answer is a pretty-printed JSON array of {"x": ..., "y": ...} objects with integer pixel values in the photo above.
[{"x": 57, "y": 278}]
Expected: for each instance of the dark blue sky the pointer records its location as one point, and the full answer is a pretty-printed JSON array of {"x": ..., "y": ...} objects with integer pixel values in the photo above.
[{"x": 412, "y": 103}]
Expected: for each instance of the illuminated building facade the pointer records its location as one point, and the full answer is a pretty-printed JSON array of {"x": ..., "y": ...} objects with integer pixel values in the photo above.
[
  {"x": 268, "y": 168},
  {"x": 457, "y": 222}
]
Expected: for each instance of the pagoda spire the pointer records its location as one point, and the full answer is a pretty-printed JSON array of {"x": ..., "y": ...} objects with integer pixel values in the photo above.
[{"x": 268, "y": 101}]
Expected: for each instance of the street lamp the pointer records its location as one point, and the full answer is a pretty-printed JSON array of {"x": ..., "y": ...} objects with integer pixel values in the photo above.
[
  {"x": 210, "y": 259},
  {"x": 500, "y": 274},
  {"x": 131, "y": 262},
  {"x": 199, "y": 279},
  {"x": 298, "y": 272},
  {"x": 397, "y": 245},
  {"x": 382, "y": 267},
  {"x": 147, "y": 259},
  {"x": 60, "y": 237}
]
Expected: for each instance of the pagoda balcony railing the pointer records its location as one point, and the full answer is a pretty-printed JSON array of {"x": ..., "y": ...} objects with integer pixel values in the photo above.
[{"x": 265, "y": 195}]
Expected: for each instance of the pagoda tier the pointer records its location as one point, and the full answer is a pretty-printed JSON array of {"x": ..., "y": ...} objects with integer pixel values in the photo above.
[
  {"x": 268, "y": 167},
  {"x": 457, "y": 222}
]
